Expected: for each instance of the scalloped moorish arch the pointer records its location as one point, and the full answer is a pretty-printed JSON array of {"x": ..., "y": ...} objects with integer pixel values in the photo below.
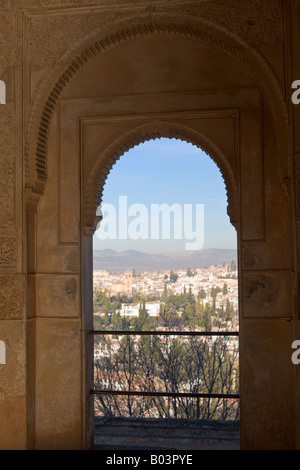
[
  {"x": 143, "y": 133},
  {"x": 260, "y": 281},
  {"x": 171, "y": 24}
]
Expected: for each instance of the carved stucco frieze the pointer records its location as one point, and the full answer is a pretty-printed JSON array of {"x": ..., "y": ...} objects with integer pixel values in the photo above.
[
  {"x": 10, "y": 39},
  {"x": 6, "y": 5},
  {"x": 8, "y": 146},
  {"x": 136, "y": 27},
  {"x": 54, "y": 3},
  {"x": 7, "y": 252},
  {"x": 23, "y": 5},
  {"x": 7, "y": 199},
  {"x": 297, "y": 184},
  {"x": 11, "y": 165},
  {"x": 10, "y": 114},
  {"x": 50, "y": 35},
  {"x": 11, "y": 297},
  {"x": 259, "y": 22}
]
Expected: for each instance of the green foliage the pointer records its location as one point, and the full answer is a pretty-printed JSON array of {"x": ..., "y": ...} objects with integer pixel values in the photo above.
[
  {"x": 233, "y": 266},
  {"x": 162, "y": 363},
  {"x": 189, "y": 272},
  {"x": 164, "y": 295},
  {"x": 202, "y": 293},
  {"x": 215, "y": 291},
  {"x": 173, "y": 276}
]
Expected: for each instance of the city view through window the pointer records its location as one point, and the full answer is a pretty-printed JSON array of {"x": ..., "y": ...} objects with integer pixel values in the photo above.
[{"x": 165, "y": 269}]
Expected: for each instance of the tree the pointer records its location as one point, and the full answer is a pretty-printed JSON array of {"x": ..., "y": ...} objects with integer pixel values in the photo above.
[
  {"x": 196, "y": 365},
  {"x": 164, "y": 295},
  {"x": 202, "y": 293},
  {"x": 229, "y": 310},
  {"x": 215, "y": 291},
  {"x": 173, "y": 276},
  {"x": 189, "y": 272},
  {"x": 141, "y": 323},
  {"x": 116, "y": 321},
  {"x": 189, "y": 314},
  {"x": 207, "y": 317},
  {"x": 190, "y": 296},
  {"x": 199, "y": 310},
  {"x": 225, "y": 289},
  {"x": 233, "y": 265}
]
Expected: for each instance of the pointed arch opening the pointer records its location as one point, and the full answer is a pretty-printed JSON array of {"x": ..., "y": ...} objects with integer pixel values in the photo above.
[
  {"x": 163, "y": 313},
  {"x": 240, "y": 125},
  {"x": 141, "y": 134}
]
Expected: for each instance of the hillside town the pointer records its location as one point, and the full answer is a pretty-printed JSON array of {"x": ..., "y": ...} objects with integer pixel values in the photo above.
[
  {"x": 216, "y": 284},
  {"x": 189, "y": 300}
]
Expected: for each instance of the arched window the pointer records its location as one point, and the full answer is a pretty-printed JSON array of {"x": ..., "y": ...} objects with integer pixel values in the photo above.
[{"x": 165, "y": 291}]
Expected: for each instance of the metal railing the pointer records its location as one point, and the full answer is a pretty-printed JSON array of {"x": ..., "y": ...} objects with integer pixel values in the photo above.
[{"x": 164, "y": 394}]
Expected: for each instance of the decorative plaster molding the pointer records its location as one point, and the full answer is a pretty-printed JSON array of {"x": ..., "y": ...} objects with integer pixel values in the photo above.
[
  {"x": 7, "y": 198},
  {"x": 258, "y": 22},
  {"x": 95, "y": 184},
  {"x": 135, "y": 27},
  {"x": 10, "y": 297},
  {"x": 7, "y": 252},
  {"x": 257, "y": 69}
]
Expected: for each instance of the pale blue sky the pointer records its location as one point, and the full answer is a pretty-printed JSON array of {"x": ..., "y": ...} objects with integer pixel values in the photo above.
[{"x": 168, "y": 171}]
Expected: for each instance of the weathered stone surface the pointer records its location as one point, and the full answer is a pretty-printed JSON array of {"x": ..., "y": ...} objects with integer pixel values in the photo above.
[
  {"x": 265, "y": 350},
  {"x": 214, "y": 72},
  {"x": 59, "y": 410},
  {"x": 7, "y": 252},
  {"x": 57, "y": 296},
  {"x": 11, "y": 297},
  {"x": 267, "y": 294},
  {"x": 13, "y": 387}
]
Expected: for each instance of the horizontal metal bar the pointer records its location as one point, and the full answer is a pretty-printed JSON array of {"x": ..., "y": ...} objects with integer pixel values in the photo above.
[
  {"x": 165, "y": 394},
  {"x": 163, "y": 333}
]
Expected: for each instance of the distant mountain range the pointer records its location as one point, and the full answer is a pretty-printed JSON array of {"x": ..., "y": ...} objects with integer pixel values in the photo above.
[{"x": 114, "y": 262}]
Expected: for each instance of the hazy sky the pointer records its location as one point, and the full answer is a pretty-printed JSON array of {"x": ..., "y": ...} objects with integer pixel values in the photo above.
[{"x": 165, "y": 171}]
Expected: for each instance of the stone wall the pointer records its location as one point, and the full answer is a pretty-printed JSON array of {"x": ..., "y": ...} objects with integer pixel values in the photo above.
[{"x": 86, "y": 80}]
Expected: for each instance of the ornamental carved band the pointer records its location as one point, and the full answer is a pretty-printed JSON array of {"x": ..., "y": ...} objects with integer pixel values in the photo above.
[
  {"x": 7, "y": 252},
  {"x": 10, "y": 298}
]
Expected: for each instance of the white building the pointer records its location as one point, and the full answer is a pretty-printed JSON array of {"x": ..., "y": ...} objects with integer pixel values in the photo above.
[{"x": 132, "y": 310}]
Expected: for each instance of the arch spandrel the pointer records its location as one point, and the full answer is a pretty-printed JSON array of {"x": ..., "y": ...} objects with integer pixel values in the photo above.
[
  {"x": 105, "y": 162},
  {"x": 120, "y": 31}
]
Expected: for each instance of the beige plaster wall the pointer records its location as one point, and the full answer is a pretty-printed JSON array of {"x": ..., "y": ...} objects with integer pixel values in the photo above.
[{"x": 217, "y": 73}]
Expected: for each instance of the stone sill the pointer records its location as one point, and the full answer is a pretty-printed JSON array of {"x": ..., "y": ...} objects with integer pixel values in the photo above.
[{"x": 166, "y": 434}]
